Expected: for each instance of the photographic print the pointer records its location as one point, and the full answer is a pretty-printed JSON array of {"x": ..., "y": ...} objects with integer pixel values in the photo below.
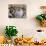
[{"x": 17, "y": 11}]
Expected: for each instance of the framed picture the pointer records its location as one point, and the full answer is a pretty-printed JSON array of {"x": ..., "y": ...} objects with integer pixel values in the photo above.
[{"x": 17, "y": 11}]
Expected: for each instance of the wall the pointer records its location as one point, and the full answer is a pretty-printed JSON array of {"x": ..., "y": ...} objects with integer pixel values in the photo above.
[{"x": 25, "y": 26}]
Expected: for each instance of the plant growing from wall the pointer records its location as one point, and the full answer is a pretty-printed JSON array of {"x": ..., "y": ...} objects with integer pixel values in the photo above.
[
  {"x": 11, "y": 31},
  {"x": 42, "y": 19}
]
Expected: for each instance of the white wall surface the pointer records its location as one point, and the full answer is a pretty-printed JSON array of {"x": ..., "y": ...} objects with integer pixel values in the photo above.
[{"x": 25, "y": 26}]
